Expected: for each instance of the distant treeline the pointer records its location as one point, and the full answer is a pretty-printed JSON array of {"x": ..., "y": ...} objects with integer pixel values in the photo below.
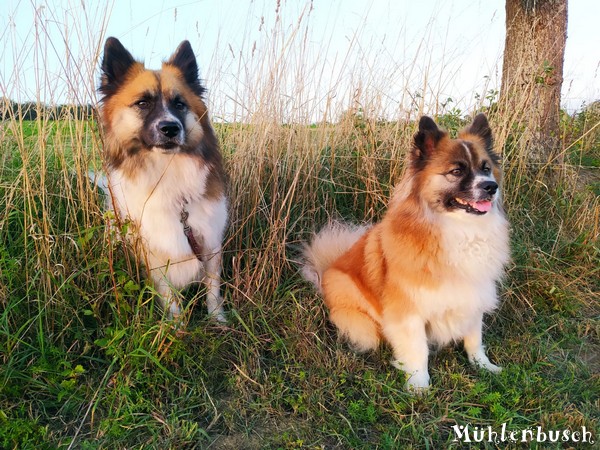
[{"x": 10, "y": 110}]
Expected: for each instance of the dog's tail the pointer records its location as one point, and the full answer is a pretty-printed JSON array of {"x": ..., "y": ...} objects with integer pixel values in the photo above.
[{"x": 326, "y": 247}]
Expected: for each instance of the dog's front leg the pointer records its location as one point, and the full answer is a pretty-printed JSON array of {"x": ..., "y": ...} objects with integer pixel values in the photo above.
[
  {"x": 408, "y": 339},
  {"x": 212, "y": 280},
  {"x": 166, "y": 296},
  {"x": 473, "y": 343}
]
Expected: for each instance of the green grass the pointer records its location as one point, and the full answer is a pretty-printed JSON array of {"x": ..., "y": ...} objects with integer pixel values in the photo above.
[{"x": 87, "y": 363}]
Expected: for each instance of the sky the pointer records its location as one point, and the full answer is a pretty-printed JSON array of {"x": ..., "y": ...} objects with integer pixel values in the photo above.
[{"x": 299, "y": 59}]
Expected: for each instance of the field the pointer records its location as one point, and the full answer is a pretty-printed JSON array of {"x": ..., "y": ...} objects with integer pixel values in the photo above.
[{"x": 87, "y": 362}]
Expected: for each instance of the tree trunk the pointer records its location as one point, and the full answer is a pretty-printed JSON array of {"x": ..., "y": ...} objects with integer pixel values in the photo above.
[{"x": 532, "y": 73}]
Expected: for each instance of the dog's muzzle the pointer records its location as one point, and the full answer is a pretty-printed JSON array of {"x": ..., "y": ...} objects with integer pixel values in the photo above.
[
  {"x": 167, "y": 135},
  {"x": 481, "y": 203}
]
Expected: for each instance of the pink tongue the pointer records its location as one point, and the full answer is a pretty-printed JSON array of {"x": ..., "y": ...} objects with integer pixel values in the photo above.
[{"x": 482, "y": 206}]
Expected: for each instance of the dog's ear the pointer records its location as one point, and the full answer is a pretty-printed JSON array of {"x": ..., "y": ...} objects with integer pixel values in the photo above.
[
  {"x": 481, "y": 127},
  {"x": 425, "y": 141},
  {"x": 115, "y": 64},
  {"x": 185, "y": 60}
]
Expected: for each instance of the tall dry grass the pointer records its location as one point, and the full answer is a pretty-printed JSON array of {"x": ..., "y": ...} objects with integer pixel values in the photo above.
[{"x": 286, "y": 177}]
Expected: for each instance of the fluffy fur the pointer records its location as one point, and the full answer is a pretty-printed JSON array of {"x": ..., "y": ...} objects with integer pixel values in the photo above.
[
  {"x": 162, "y": 159},
  {"x": 427, "y": 273}
]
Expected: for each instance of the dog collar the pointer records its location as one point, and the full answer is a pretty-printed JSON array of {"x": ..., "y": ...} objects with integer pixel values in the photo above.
[{"x": 189, "y": 234}]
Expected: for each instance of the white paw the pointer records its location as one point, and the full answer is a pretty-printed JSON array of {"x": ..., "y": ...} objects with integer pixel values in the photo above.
[
  {"x": 217, "y": 312},
  {"x": 493, "y": 368},
  {"x": 417, "y": 381},
  {"x": 220, "y": 317},
  {"x": 173, "y": 312},
  {"x": 483, "y": 362}
]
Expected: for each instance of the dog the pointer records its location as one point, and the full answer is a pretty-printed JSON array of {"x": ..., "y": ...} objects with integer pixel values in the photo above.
[
  {"x": 164, "y": 171},
  {"x": 426, "y": 274}
]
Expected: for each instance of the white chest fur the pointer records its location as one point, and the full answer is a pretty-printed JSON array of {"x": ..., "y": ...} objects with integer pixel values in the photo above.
[
  {"x": 476, "y": 247},
  {"x": 475, "y": 251},
  {"x": 154, "y": 196}
]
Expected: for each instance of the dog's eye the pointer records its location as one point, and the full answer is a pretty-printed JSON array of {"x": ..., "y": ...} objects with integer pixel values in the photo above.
[
  {"x": 486, "y": 169},
  {"x": 142, "y": 104},
  {"x": 180, "y": 106},
  {"x": 456, "y": 172}
]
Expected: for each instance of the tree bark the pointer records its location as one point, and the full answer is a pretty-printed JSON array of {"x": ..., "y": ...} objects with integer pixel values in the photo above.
[{"x": 532, "y": 72}]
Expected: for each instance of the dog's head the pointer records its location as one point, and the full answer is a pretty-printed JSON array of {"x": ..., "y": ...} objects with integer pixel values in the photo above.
[
  {"x": 456, "y": 175},
  {"x": 146, "y": 110}
]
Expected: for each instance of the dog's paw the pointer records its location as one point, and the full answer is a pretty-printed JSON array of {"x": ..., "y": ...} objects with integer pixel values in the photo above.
[
  {"x": 173, "y": 312},
  {"x": 218, "y": 314},
  {"x": 215, "y": 309},
  {"x": 493, "y": 368},
  {"x": 220, "y": 317},
  {"x": 417, "y": 381},
  {"x": 482, "y": 362},
  {"x": 416, "y": 389}
]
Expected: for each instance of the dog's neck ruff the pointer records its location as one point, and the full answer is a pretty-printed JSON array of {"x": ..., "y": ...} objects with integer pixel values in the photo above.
[{"x": 189, "y": 234}]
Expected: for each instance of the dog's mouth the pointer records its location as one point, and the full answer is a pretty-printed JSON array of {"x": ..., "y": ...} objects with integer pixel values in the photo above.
[
  {"x": 167, "y": 147},
  {"x": 478, "y": 208}
]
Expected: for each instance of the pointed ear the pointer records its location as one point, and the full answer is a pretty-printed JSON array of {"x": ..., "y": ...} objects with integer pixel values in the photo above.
[
  {"x": 480, "y": 127},
  {"x": 425, "y": 141},
  {"x": 115, "y": 64},
  {"x": 185, "y": 60}
]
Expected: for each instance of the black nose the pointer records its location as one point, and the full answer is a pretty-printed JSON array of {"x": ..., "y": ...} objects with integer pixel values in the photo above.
[
  {"x": 169, "y": 129},
  {"x": 489, "y": 186}
]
